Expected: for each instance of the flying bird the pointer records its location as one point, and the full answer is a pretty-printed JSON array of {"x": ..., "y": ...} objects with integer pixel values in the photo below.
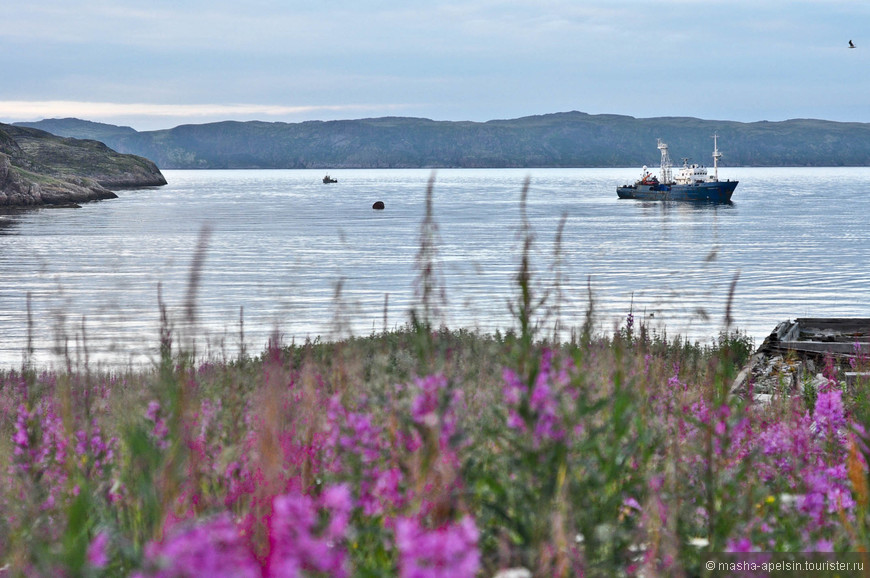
[{"x": 851, "y": 45}]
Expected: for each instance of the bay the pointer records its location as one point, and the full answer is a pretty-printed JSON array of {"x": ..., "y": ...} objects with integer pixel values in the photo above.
[{"x": 283, "y": 251}]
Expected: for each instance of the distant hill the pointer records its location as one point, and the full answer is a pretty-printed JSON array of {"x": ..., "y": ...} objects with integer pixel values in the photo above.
[
  {"x": 39, "y": 168},
  {"x": 570, "y": 139},
  {"x": 80, "y": 129}
]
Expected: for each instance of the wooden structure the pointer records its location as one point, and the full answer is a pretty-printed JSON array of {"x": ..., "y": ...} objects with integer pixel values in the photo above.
[
  {"x": 816, "y": 336},
  {"x": 793, "y": 355}
]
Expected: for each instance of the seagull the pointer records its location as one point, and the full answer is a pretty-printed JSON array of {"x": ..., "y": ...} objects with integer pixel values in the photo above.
[{"x": 851, "y": 45}]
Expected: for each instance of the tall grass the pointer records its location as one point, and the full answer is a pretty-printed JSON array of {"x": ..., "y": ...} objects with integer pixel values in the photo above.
[{"x": 424, "y": 451}]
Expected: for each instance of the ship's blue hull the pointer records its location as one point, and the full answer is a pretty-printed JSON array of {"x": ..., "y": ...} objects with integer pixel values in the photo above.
[{"x": 712, "y": 192}]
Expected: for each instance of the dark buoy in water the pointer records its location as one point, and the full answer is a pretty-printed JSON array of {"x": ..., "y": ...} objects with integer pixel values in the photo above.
[{"x": 378, "y": 206}]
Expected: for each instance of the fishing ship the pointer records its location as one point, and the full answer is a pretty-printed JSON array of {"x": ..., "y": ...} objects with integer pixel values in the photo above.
[{"x": 691, "y": 183}]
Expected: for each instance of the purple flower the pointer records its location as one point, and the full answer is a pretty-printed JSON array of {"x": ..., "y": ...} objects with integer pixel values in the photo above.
[
  {"x": 160, "y": 430},
  {"x": 435, "y": 407},
  {"x": 674, "y": 381},
  {"x": 358, "y": 435},
  {"x": 387, "y": 491},
  {"x": 829, "y": 414},
  {"x": 153, "y": 411},
  {"x": 97, "y": 556},
  {"x": 542, "y": 399},
  {"x": 543, "y": 403},
  {"x": 740, "y": 545},
  {"x": 20, "y": 438},
  {"x": 338, "y": 501},
  {"x": 297, "y": 542},
  {"x": 514, "y": 421},
  {"x": 212, "y": 549},
  {"x": 424, "y": 407},
  {"x": 447, "y": 552},
  {"x": 513, "y": 387}
]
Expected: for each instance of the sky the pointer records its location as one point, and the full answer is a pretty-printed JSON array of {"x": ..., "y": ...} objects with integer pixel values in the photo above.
[{"x": 162, "y": 63}]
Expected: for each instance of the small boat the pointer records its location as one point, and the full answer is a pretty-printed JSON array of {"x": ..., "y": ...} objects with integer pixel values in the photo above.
[
  {"x": 327, "y": 180},
  {"x": 691, "y": 183}
]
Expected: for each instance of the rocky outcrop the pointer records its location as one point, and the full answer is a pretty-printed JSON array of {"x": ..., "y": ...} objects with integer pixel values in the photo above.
[
  {"x": 19, "y": 188},
  {"x": 38, "y": 168}
]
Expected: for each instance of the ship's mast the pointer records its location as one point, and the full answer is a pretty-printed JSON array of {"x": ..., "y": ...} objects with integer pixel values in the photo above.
[
  {"x": 716, "y": 156},
  {"x": 666, "y": 162}
]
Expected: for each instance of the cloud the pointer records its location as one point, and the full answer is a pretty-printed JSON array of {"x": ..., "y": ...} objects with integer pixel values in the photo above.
[{"x": 22, "y": 109}]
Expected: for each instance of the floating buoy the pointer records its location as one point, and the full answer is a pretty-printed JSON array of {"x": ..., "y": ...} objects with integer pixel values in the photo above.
[{"x": 378, "y": 206}]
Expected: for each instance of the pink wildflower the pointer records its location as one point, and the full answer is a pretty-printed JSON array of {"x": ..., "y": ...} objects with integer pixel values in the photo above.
[
  {"x": 160, "y": 430},
  {"x": 97, "y": 556},
  {"x": 213, "y": 549},
  {"x": 829, "y": 414},
  {"x": 387, "y": 491},
  {"x": 153, "y": 410},
  {"x": 20, "y": 437},
  {"x": 450, "y": 551},
  {"x": 297, "y": 544},
  {"x": 740, "y": 545},
  {"x": 435, "y": 407},
  {"x": 542, "y": 400}
]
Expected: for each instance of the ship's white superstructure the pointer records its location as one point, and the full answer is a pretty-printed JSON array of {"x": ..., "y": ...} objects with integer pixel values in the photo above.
[
  {"x": 689, "y": 174},
  {"x": 691, "y": 183}
]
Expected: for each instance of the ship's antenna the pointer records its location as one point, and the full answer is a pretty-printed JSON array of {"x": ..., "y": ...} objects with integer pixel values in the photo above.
[
  {"x": 716, "y": 156},
  {"x": 666, "y": 162}
]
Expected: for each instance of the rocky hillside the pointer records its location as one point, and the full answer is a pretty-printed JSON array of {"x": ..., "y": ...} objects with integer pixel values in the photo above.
[
  {"x": 570, "y": 139},
  {"x": 38, "y": 168}
]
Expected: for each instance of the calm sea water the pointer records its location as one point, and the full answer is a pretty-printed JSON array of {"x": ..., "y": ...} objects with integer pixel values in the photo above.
[{"x": 287, "y": 252}]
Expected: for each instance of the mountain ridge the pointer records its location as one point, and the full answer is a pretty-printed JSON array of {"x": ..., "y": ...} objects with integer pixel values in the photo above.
[{"x": 560, "y": 139}]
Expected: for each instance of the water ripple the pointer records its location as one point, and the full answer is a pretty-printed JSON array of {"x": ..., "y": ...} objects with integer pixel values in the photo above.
[{"x": 283, "y": 244}]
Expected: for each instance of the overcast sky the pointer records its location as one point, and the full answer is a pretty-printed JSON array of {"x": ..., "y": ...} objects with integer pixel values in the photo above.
[{"x": 162, "y": 63}]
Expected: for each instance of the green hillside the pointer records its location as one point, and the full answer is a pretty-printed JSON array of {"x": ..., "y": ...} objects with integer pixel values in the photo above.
[{"x": 571, "y": 139}]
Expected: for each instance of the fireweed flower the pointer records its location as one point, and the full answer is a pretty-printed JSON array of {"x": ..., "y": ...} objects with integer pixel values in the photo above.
[
  {"x": 209, "y": 427},
  {"x": 542, "y": 401},
  {"x": 160, "y": 430},
  {"x": 674, "y": 382},
  {"x": 239, "y": 481},
  {"x": 357, "y": 435},
  {"x": 152, "y": 411},
  {"x": 829, "y": 415},
  {"x": 299, "y": 542},
  {"x": 358, "y": 447},
  {"x": 213, "y": 548},
  {"x": 740, "y": 545},
  {"x": 424, "y": 407},
  {"x": 388, "y": 488},
  {"x": 435, "y": 405},
  {"x": 513, "y": 395},
  {"x": 380, "y": 491},
  {"x": 93, "y": 450},
  {"x": 21, "y": 439},
  {"x": 97, "y": 555},
  {"x": 40, "y": 450},
  {"x": 827, "y": 492},
  {"x": 447, "y": 552}
]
